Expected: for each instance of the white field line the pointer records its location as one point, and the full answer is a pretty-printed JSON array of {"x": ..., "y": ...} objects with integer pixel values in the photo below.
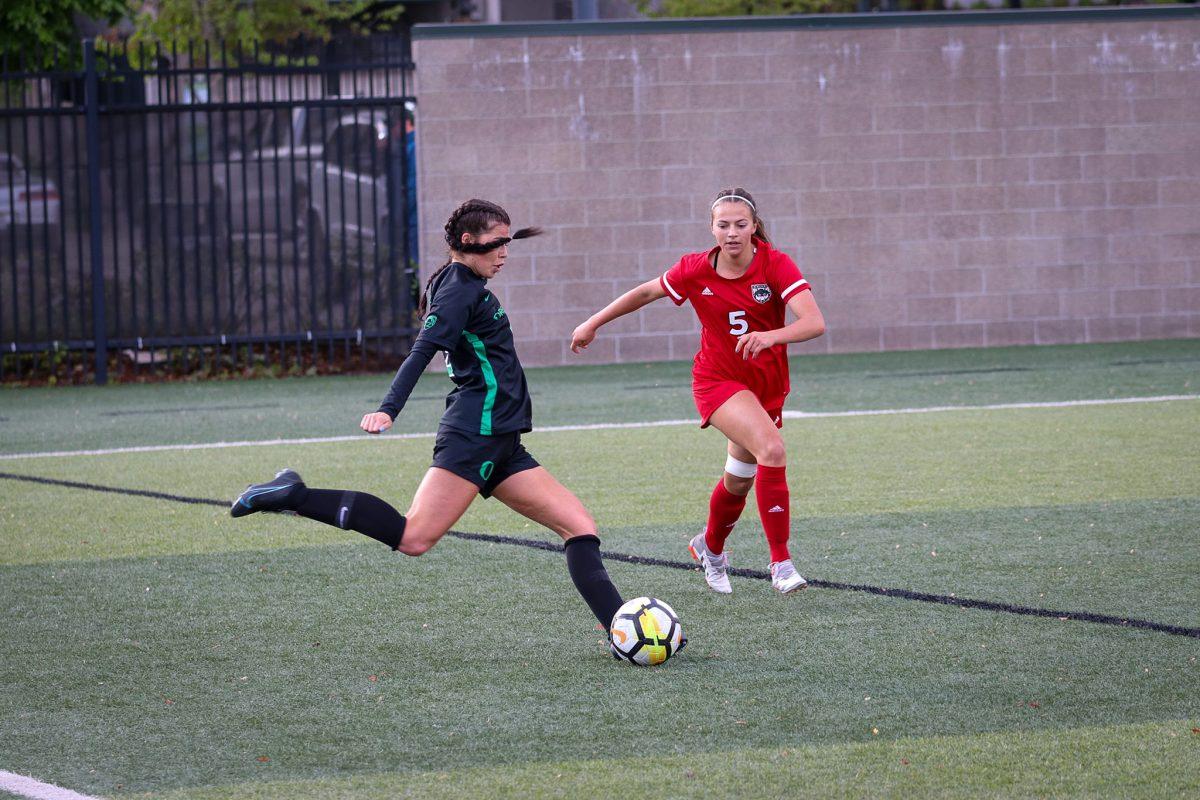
[
  {"x": 28, "y": 787},
  {"x": 1106, "y": 401},
  {"x": 599, "y": 426}
]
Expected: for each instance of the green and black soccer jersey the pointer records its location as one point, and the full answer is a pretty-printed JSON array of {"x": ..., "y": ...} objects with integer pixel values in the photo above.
[
  {"x": 465, "y": 320},
  {"x": 468, "y": 322}
]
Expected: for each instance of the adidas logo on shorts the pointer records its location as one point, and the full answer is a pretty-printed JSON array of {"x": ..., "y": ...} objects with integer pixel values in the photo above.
[{"x": 707, "y": 291}]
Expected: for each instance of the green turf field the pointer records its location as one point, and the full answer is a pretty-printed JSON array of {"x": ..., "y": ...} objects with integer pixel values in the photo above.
[{"x": 158, "y": 648}]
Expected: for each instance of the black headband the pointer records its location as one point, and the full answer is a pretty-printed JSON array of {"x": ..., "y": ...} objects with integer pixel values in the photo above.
[
  {"x": 473, "y": 247},
  {"x": 487, "y": 247}
]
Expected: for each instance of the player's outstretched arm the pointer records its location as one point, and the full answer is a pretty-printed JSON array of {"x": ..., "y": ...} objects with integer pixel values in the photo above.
[
  {"x": 402, "y": 385},
  {"x": 627, "y": 303}
]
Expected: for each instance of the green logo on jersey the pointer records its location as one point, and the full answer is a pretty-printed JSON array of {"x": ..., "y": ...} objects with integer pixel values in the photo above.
[
  {"x": 499, "y": 313},
  {"x": 485, "y": 470},
  {"x": 430, "y": 321}
]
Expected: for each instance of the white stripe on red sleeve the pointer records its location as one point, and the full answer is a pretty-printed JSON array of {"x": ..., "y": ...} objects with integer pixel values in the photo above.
[
  {"x": 671, "y": 289},
  {"x": 795, "y": 287}
]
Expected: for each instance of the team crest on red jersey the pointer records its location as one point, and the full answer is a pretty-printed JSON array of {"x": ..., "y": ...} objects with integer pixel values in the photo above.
[{"x": 761, "y": 292}]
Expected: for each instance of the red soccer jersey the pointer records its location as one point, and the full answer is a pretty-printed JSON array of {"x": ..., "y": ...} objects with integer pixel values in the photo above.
[{"x": 730, "y": 307}]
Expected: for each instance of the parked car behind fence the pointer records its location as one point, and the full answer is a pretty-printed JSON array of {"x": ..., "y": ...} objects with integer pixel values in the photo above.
[
  {"x": 303, "y": 180},
  {"x": 29, "y": 205},
  {"x": 218, "y": 213}
]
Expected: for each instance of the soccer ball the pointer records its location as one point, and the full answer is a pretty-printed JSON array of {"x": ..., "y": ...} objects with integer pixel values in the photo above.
[{"x": 646, "y": 632}]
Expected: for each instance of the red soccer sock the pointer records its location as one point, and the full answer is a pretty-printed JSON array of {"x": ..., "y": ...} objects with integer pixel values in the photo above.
[
  {"x": 724, "y": 508},
  {"x": 771, "y": 491}
]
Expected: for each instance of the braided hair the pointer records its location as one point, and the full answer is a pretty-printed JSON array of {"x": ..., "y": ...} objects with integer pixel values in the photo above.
[
  {"x": 737, "y": 194},
  {"x": 473, "y": 217}
]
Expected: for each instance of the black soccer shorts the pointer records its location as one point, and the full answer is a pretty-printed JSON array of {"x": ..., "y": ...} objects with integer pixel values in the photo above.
[{"x": 486, "y": 461}]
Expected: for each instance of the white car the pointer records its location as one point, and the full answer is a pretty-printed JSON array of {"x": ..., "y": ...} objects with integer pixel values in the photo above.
[{"x": 26, "y": 200}]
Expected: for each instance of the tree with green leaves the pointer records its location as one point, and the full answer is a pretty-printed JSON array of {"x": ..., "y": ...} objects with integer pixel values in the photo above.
[
  {"x": 43, "y": 33},
  {"x": 241, "y": 25}
]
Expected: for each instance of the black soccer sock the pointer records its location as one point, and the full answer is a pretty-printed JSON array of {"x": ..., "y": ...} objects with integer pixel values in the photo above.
[
  {"x": 355, "y": 511},
  {"x": 591, "y": 578}
]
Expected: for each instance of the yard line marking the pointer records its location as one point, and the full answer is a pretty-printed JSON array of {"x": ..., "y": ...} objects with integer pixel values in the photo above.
[
  {"x": 158, "y": 448},
  {"x": 630, "y": 558},
  {"x": 598, "y": 426},
  {"x": 28, "y": 787}
]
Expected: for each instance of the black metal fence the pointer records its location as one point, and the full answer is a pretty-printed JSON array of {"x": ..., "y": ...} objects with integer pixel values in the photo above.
[{"x": 207, "y": 209}]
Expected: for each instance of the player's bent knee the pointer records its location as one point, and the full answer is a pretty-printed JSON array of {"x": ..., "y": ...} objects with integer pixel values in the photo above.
[
  {"x": 739, "y": 475},
  {"x": 573, "y": 519},
  {"x": 772, "y": 453},
  {"x": 415, "y": 548},
  {"x": 416, "y": 542},
  {"x": 741, "y": 469},
  {"x": 570, "y": 538},
  {"x": 577, "y": 525},
  {"x": 739, "y": 486}
]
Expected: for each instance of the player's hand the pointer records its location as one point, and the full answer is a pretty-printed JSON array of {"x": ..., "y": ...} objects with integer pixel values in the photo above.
[
  {"x": 753, "y": 343},
  {"x": 375, "y": 422},
  {"x": 582, "y": 337}
]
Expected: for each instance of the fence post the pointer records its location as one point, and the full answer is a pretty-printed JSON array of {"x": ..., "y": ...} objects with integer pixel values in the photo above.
[{"x": 96, "y": 217}]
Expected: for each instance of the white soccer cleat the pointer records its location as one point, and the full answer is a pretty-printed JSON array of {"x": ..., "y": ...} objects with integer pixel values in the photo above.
[
  {"x": 785, "y": 578},
  {"x": 715, "y": 567}
]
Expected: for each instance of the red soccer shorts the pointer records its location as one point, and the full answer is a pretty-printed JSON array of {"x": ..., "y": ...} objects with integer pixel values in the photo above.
[{"x": 711, "y": 395}]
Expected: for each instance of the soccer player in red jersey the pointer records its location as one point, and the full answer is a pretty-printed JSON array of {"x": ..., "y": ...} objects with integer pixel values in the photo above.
[{"x": 739, "y": 290}]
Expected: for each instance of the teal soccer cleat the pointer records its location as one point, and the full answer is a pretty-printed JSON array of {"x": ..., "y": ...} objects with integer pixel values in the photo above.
[{"x": 282, "y": 493}]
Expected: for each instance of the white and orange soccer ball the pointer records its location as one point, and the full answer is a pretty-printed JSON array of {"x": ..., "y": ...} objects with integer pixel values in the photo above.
[{"x": 645, "y": 631}]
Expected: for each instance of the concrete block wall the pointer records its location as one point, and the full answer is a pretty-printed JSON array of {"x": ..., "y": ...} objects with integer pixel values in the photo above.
[{"x": 940, "y": 186}]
